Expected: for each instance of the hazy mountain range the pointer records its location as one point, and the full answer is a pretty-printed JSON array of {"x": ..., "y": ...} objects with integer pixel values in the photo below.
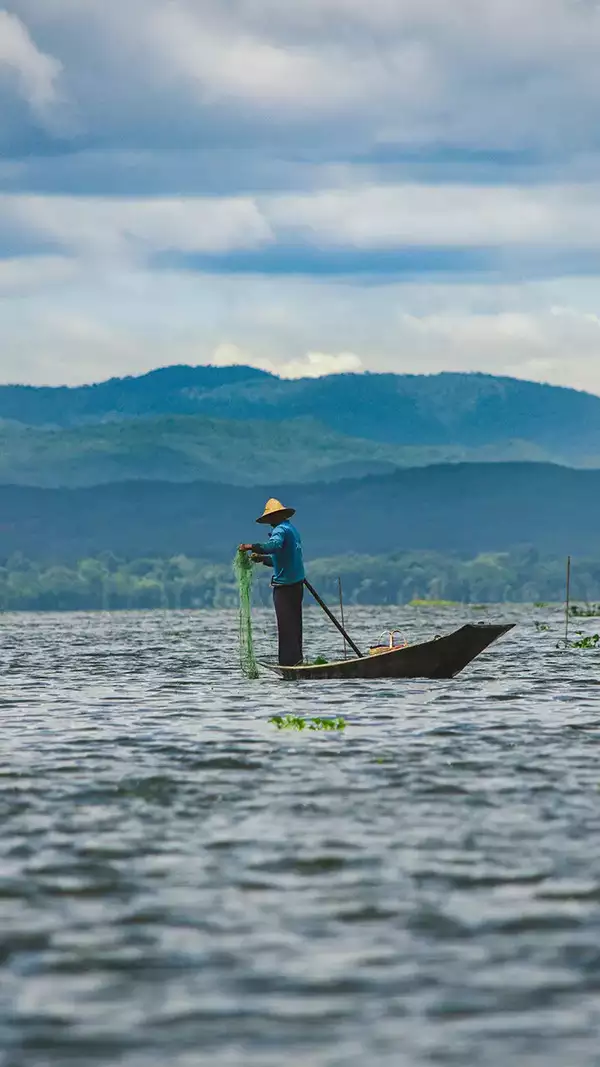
[
  {"x": 181, "y": 448},
  {"x": 182, "y": 459},
  {"x": 239, "y": 425},
  {"x": 464, "y": 508}
]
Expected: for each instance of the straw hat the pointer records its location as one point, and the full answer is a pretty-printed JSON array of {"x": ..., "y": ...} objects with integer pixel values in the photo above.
[{"x": 275, "y": 508}]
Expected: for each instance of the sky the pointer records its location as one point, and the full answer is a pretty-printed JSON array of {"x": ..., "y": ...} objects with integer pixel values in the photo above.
[{"x": 311, "y": 188}]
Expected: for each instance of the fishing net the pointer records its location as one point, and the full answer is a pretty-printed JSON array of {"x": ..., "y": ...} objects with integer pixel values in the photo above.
[{"x": 243, "y": 571}]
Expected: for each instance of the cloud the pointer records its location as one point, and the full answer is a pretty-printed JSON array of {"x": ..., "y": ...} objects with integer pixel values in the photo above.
[
  {"x": 318, "y": 363},
  {"x": 123, "y": 229},
  {"x": 102, "y": 323},
  {"x": 404, "y": 184},
  {"x": 405, "y": 72},
  {"x": 33, "y": 274},
  {"x": 313, "y": 365},
  {"x": 327, "y": 80},
  {"x": 444, "y": 218},
  {"x": 254, "y": 71},
  {"x": 35, "y": 73},
  {"x": 443, "y": 215}
]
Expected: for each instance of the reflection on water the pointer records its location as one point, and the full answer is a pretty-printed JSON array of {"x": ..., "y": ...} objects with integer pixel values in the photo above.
[{"x": 183, "y": 884}]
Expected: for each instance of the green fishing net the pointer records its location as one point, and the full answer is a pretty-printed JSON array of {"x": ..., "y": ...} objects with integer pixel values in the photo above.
[{"x": 243, "y": 572}]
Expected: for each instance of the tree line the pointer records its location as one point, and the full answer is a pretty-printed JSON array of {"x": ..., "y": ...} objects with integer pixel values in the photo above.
[{"x": 107, "y": 582}]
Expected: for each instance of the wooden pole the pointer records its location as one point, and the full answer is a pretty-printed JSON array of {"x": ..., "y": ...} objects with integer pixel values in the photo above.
[
  {"x": 329, "y": 614},
  {"x": 342, "y": 613},
  {"x": 568, "y": 600}
]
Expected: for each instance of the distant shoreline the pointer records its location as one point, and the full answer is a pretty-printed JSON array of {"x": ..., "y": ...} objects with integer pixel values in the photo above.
[
  {"x": 414, "y": 609},
  {"x": 426, "y": 580}
]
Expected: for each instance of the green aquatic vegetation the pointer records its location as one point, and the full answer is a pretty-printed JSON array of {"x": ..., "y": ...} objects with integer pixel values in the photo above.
[
  {"x": 542, "y": 627},
  {"x": 320, "y": 661},
  {"x": 540, "y": 604},
  {"x": 295, "y": 722},
  {"x": 288, "y": 722},
  {"x": 590, "y": 611},
  {"x": 327, "y": 724},
  {"x": 585, "y": 641}
]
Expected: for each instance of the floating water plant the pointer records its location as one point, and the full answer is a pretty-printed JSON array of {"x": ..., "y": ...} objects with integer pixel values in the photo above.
[
  {"x": 295, "y": 722},
  {"x": 328, "y": 724},
  {"x": 589, "y": 641},
  {"x": 590, "y": 611},
  {"x": 542, "y": 627}
]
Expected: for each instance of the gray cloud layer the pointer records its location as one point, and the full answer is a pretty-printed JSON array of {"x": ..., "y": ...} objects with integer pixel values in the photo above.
[
  {"x": 321, "y": 81},
  {"x": 207, "y": 155}
]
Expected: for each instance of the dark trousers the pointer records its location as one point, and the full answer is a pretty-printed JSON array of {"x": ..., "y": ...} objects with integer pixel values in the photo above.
[{"x": 288, "y": 609}]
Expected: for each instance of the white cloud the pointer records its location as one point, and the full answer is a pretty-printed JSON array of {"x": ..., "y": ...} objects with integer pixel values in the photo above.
[
  {"x": 119, "y": 322},
  {"x": 317, "y": 364},
  {"x": 312, "y": 365},
  {"x": 127, "y": 228},
  {"x": 366, "y": 217},
  {"x": 239, "y": 59},
  {"x": 36, "y": 73},
  {"x": 424, "y": 73},
  {"x": 443, "y": 215},
  {"x": 29, "y": 275}
]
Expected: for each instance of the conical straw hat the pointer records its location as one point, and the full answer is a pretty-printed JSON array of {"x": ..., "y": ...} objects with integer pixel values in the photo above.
[{"x": 275, "y": 508}]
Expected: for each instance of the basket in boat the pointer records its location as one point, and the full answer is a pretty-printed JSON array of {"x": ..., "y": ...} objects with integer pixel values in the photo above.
[{"x": 390, "y": 635}]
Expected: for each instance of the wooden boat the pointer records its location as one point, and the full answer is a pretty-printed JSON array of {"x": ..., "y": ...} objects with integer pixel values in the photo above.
[{"x": 443, "y": 657}]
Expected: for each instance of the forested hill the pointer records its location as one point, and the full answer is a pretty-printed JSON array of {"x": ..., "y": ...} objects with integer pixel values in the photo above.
[
  {"x": 187, "y": 448},
  {"x": 168, "y": 390},
  {"x": 467, "y": 508},
  {"x": 470, "y": 410}
]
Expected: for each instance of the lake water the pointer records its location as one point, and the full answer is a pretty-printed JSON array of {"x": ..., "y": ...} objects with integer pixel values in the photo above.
[{"x": 183, "y": 885}]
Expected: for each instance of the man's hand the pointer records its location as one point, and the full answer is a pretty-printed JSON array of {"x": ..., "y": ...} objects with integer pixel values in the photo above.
[{"x": 244, "y": 548}]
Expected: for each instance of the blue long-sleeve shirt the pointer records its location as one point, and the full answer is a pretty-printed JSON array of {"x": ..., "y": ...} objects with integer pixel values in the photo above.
[{"x": 284, "y": 547}]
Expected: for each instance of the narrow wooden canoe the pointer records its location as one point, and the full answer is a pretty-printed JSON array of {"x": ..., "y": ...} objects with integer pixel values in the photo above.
[{"x": 444, "y": 657}]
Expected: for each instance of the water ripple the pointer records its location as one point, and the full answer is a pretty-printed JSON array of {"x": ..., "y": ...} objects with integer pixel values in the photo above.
[{"x": 183, "y": 884}]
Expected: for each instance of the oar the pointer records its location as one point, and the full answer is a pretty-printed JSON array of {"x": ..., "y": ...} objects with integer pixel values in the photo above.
[
  {"x": 568, "y": 601},
  {"x": 329, "y": 614},
  {"x": 342, "y": 613}
]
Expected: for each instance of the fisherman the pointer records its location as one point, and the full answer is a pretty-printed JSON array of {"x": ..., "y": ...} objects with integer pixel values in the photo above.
[{"x": 283, "y": 552}]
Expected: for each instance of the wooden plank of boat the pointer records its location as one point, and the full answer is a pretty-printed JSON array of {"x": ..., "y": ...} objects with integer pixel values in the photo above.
[{"x": 443, "y": 657}]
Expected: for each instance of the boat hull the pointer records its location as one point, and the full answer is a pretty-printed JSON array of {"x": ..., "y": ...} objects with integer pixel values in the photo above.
[{"x": 444, "y": 657}]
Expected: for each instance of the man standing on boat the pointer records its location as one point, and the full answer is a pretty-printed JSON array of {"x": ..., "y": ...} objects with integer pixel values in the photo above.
[{"x": 283, "y": 552}]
